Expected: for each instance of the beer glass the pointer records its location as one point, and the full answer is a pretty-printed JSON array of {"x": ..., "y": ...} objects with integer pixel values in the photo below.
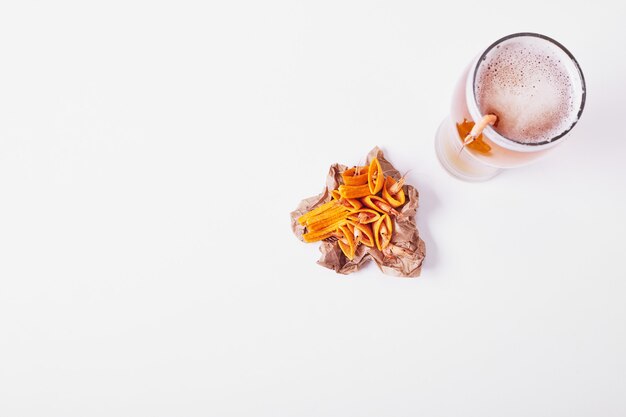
[{"x": 538, "y": 96}]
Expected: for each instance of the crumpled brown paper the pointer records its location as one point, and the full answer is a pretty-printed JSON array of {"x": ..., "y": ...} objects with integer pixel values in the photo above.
[{"x": 402, "y": 258}]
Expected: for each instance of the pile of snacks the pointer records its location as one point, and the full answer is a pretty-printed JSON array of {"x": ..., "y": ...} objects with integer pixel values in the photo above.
[{"x": 364, "y": 212}]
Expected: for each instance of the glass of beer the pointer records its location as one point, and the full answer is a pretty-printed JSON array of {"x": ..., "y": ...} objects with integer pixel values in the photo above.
[{"x": 524, "y": 94}]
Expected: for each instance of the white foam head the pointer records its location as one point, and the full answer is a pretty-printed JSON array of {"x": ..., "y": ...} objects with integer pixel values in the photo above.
[{"x": 532, "y": 85}]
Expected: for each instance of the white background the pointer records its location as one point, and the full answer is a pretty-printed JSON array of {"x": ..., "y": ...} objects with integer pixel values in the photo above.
[{"x": 150, "y": 154}]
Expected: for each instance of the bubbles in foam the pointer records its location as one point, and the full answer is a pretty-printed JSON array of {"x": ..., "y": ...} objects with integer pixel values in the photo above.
[{"x": 532, "y": 86}]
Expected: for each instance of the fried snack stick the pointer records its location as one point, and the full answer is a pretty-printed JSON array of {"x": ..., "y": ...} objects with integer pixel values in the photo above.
[
  {"x": 379, "y": 204},
  {"x": 393, "y": 192},
  {"x": 322, "y": 224},
  {"x": 355, "y": 176},
  {"x": 325, "y": 233},
  {"x": 346, "y": 241},
  {"x": 362, "y": 233},
  {"x": 351, "y": 203},
  {"x": 383, "y": 229},
  {"x": 326, "y": 206},
  {"x": 354, "y": 191},
  {"x": 375, "y": 177},
  {"x": 364, "y": 216}
]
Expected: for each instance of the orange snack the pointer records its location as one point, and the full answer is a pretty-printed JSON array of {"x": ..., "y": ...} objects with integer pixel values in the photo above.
[
  {"x": 351, "y": 203},
  {"x": 355, "y": 176},
  {"x": 364, "y": 216},
  {"x": 354, "y": 191},
  {"x": 393, "y": 194},
  {"x": 362, "y": 233},
  {"x": 346, "y": 242},
  {"x": 324, "y": 233},
  {"x": 383, "y": 229},
  {"x": 375, "y": 176},
  {"x": 302, "y": 219}
]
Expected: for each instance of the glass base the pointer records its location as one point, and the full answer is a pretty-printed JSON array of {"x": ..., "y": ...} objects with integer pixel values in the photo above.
[{"x": 459, "y": 163}]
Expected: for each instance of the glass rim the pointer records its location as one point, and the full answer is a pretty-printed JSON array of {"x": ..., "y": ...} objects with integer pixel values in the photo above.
[{"x": 489, "y": 129}]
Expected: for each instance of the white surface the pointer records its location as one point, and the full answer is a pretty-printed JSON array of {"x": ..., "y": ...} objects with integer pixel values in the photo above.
[{"x": 150, "y": 154}]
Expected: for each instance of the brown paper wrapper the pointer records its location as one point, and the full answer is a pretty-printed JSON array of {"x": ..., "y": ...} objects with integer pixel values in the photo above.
[{"x": 402, "y": 258}]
